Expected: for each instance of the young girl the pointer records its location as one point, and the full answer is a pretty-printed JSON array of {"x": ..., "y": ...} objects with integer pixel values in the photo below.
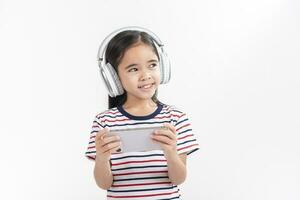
[{"x": 133, "y": 64}]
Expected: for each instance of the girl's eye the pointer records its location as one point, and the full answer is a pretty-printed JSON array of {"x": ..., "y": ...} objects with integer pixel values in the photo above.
[
  {"x": 132, "y": 69},
  {"x": 153, "y": 65}
]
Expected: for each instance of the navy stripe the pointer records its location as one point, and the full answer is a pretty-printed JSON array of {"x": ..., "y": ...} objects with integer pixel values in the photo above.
[
  {"x": 171, "y": 198},
  {"x": 192, "y": 151},
  {"x": 92, "y": 142},
  {"x": 138, "y": 123},
  {"x": 142, "y": 190},
  {"x": 112, "y": 116},
  {"x": 90, "y": 152},
  {"x": 146, "y": 117},
  {"x": 186, "y": 142},
  {"x": 120, "y": 115},
  {"x": 94, "y": 132},
  {"x": 184, "y": 131},
  {"x": 98, "y": 123},
  {"x": 139, "y": 156},
  {"x": 143, "y": 178},
  {"x": 139, "y": 167},
  {"x": 177, "y": 111},
  {"x": 181, "y": 121}
]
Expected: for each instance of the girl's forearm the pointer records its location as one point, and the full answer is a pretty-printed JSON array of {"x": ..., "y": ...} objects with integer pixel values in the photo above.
[
  {"x": 102, "y": 174},
  {"x": 176, "y": 169}
]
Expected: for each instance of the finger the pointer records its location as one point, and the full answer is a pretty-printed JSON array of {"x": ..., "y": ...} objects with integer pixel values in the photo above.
[
  {"x": 171, "y": 127},
  {"x": 110, "y": 146},
  {"x": 167, "y": 133},
  {"x": 163, "y": 139},
  {"x": 99, "y": 143},
  {"x": 100, "y": 134},
  {"x": 112, "y": 138}
]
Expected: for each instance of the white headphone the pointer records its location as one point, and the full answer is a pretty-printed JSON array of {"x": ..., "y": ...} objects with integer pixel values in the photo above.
[{"x": 108, "y": 73}]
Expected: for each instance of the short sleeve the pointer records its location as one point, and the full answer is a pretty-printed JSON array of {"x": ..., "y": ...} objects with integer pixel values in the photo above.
[
  {"x": 91, "y": 149},
  {"x": 186, "y": 140}
]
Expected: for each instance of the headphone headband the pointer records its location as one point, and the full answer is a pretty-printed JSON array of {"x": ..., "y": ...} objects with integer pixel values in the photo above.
[{"x": 103, "y": 46}]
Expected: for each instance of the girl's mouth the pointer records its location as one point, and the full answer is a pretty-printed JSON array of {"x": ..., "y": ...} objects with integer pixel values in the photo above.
[{"x": 146, "y": 86}]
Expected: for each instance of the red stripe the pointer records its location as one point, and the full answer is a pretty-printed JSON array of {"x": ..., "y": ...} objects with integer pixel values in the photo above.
[
  {"x": 180, "y": 138},
  {"x": 148, "y": 195},
  {"x": 182, "y": 127},
  {"x": 107, "y": 113},
  {"x": 178, "y": 115},
  {"x": 92, "y": 136},
  {"x": 182, "y": 115},
  {"x": 121, "y": 163},
  {"x": 91, "y": 157},
  {"x": 132, "y": 173},
  {"x": 140, "y": 184},
  {"x": 163, "y": 117},
  {"x": 91, "y": 147},
  {"x": 116, "y": 120},
  {"x": 187, "y": 147}
]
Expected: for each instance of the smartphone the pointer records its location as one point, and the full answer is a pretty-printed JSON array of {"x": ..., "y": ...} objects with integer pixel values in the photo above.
[{"x": 136, "y": 139}]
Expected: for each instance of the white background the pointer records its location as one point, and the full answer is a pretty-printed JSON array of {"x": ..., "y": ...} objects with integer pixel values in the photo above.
[{"x": 235, "y": 72}]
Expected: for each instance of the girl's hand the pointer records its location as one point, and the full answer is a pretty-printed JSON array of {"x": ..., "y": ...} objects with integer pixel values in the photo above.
[
  {"x": 167, "y": 139},
  {"x": 105, "y": 145}
]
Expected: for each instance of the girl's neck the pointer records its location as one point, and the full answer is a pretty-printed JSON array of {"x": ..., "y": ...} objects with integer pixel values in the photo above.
[{"x": 140, "y": 107}]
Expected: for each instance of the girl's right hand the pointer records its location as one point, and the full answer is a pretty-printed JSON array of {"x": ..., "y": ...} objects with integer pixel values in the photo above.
[{"x": 105, "y": 145}]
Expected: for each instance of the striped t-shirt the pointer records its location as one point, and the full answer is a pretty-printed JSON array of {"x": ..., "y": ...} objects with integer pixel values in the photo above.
[{"x": 143, "y": 175}]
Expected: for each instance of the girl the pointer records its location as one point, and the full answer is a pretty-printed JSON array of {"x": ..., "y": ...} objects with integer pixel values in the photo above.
[{"x": 133, "y": 66}]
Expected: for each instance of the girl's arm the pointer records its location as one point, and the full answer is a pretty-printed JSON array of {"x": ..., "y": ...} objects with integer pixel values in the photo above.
[
  {"x": 176, "y": 163},
  {"x": 102, "y": 174},
  {"x": 105, "y": 145},
  {"x": 176, "y": 167}
]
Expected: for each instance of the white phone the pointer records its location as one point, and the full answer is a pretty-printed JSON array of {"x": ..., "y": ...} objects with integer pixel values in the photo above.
[{"x": 137, "y": 139}]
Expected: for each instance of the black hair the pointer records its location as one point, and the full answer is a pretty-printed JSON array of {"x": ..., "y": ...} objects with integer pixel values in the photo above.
[{"x": 114, "y": 53}]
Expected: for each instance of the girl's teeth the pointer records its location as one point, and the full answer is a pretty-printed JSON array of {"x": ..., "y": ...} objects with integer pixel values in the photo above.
[{"x": 147, "y": 86}]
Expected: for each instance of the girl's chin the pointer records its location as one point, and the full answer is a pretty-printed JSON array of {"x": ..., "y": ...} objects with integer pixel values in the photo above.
[{"x": 145, "y": 95}]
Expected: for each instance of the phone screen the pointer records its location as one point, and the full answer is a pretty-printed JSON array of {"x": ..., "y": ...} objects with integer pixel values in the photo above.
[{"x": 137, "y": 139}]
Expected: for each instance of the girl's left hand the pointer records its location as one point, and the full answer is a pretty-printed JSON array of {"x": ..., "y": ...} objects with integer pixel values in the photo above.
[{"x": 167, "y": 139}]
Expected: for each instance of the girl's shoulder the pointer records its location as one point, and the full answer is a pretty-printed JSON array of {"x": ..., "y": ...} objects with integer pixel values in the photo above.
[
  {"x": 112, "y": 112},
  {"x": 173, "y": 109}
]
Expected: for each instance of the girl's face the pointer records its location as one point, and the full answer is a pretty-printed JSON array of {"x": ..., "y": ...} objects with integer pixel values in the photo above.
[{"x": 139, "y": 72}]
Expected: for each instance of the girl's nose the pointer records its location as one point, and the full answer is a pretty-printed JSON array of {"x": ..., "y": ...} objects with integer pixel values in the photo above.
[{"x": 145, "y": 75}]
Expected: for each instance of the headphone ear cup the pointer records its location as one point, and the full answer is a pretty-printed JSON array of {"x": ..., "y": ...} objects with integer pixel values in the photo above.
[
  {"x": 111, "y": 80},
  {"x": 165, "y": 68}
]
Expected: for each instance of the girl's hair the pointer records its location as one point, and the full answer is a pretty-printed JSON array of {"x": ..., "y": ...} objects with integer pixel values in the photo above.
[{"x": 115, "y": 51}]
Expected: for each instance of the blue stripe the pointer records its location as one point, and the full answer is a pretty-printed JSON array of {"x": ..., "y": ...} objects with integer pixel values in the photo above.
[
  {"x": 97, "y": 123},
  {"x": 94, "y": 131},
  {"x": 192, "y": 151},
  {"x": 92, "y": 142},
  {"x": 139, "y": 167},
  {"x": 181, "y": 121},
  {"x": 186, "y": 142},
  {"x": 184, "y": 131},
  {"x": 171, "y": 198},
  {"x": 120, "y": 115},
  {"x": 90, "y": 152},
  {"x": 138, "y": 123},
  {"x": 174, "y": 110},
  {"x": 137, "y": 156},
  {"x": 112, "y": 116},
  {"x": 144, "y": 178}
]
